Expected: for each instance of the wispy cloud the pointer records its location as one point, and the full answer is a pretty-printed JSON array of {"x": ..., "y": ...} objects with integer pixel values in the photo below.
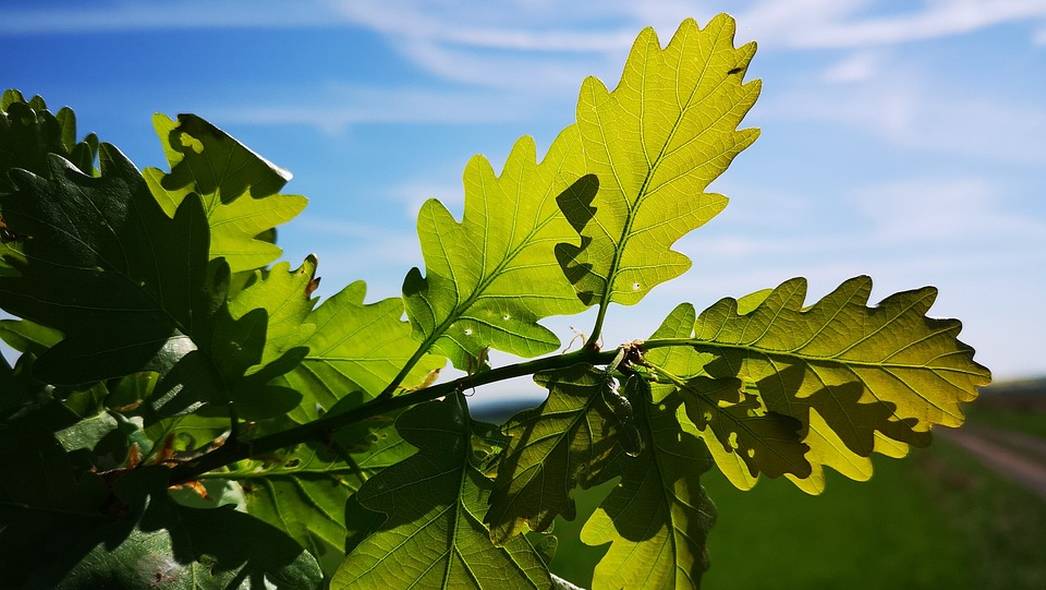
[
  {"x": 856, "y": 67},
  {"x": 413, "y": 193},
  {"x": 932, "y": 20},
  {"x": 909, "y": 107},
  {"x": 936, "y": 209},
  {"x": 333, "y": 108},
  {"x": 534, "y": 76},
  {"x": 522, "y": 25},
  {"x": 175, "y": 15},
  {"x": 482, "y": 25},
  {"x": 532, "y": 50},
  {"x": 1039, "y": 37}
]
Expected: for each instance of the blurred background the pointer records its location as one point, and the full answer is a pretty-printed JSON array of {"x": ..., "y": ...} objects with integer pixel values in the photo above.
[{"x": 902, "y": 139}]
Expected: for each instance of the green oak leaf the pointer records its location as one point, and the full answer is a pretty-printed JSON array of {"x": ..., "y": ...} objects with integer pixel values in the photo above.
[
  {"x": 766, "y": 441},
  {"x": 859, "y": 379},
  {"x": 238, "y": 188},
  {"x": 744, "y": 437},
  {"x": 29, "y": 132},
  {"x": 356, "y": 346},
  {"x": 657, "y": 518},
  {"x": 47, "y": 494},
  {"x": 131, "y": 289},
  {"x": 434, "y": 536},
  {"x": 148, "y": 540},
  {"x": 64, "y": 524},
  {"x": 491, "y": 277},
  {"x": 123, "y": 282},
  {"x": 566, "y": 442},
  {"x": 26, "y": 336},
  {"x": 656, "y": 142},
  {"x": 842, "y": 428},
  {"x": 893, "y": 350},
  {"x": 285, "y": 295},
  {"x": 186, "y": 433},
  {"x": 305, "y": 491}
]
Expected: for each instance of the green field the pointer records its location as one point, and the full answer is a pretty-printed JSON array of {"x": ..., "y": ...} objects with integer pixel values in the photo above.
[
  {"x": 937, "y": 519},
  {"x": 1017, "y": 405}
]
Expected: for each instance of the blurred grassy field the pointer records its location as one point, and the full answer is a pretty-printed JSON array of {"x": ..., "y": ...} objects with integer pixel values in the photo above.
[
  {"x": 1017, "y": 405},
  {"x": 937, "y": 519}
]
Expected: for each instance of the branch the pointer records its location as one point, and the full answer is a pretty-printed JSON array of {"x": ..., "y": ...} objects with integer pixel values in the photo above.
[{"x": 237, "y": 450}]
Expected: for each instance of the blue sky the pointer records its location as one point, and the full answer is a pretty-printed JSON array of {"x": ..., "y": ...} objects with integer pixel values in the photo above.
[{"x": 905, "y": 140}]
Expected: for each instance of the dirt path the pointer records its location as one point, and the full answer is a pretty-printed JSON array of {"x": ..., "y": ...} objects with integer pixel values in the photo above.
[{"x": 1018, "y": 457}]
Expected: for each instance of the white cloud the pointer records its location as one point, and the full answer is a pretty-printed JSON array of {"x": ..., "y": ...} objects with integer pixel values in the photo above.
[
  {"x": 829, "y": 24},
  {"x": 857, "y": 67},
  {"x": 335, "y": 108},
  {"x": 939, "y": 210},
  {"x": 905, "y": 107},
  {"x": 520, "y": 25},
  {"x": 532, "y": 75},
  {"x": 480, "y": 25},
  {"x": 415, "y": 192},
  {"x": 127, "y": 16},
  {"x": 1039, "y": 37}
]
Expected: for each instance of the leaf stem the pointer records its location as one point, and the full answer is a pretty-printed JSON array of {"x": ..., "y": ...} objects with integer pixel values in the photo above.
[
  {"x": 597, "y": 329},
  {"x": 422, "y": 350}
]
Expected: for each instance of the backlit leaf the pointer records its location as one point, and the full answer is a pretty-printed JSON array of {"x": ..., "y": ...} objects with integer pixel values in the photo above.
[
  {"x": 356, "y": 346},
  {"x": 658, "y": 517},
  {"x": 283, "y": 294},
  {"x": 655, "y": 143},
  {"x": 304, "y": 491},
  {"x": 238, "y": 188},
  {"x": 434, "y": 536},
  {"x": 860, "y": 379},
  {"x": 492, "y": 276},
  {"x": 564, "y": 443},
  {"x": 766, "y": 441}
]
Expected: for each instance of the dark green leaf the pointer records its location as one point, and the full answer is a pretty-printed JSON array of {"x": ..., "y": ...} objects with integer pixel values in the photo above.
[
  {"x": 238, "y": 188},
  {"x": 658, "y": 517},
  {"x": 433, "y": 536},
  {"x": 131, "y": 290},
  {"x": 304, "y": 491},
  {"x": 564, "y": 443}
]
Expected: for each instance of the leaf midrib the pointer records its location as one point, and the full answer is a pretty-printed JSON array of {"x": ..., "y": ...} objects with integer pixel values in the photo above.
[
  {"x": 461, "y": 307},
  {"x": 641, "y": 194}
]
